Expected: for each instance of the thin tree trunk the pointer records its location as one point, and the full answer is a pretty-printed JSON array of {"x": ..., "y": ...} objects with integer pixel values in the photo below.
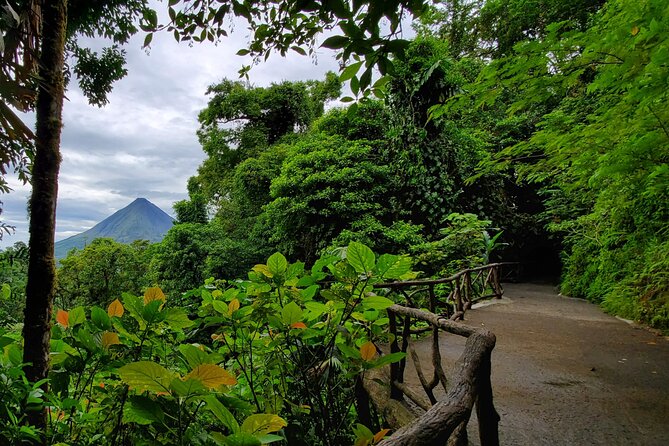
[{"x": 41, "y": 266}]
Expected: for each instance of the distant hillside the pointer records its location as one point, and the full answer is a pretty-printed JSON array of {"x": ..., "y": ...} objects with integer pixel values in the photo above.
[{"x": 140, "y": 220}]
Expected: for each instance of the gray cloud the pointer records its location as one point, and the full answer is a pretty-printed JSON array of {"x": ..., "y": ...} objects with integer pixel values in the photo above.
[{"x": 143, "y": 143}]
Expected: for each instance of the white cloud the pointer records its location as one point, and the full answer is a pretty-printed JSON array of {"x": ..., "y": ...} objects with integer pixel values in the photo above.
[{"x": 143, "y": 143}]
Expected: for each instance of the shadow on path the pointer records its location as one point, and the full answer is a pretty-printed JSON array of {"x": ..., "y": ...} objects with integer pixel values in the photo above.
[{"x": 565, "y": 373}]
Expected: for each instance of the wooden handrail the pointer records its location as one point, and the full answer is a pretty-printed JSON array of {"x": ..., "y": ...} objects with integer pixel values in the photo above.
[
  {"x": 457, "y": 292},
  {"x": 446, "y": 420},
  {"x": 471, "y": 387},
  {"x": 409, "y": 283}
]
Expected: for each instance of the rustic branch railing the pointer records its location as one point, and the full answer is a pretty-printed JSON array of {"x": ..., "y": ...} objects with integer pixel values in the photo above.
[
  {"x": 453, "y": 296},
  {"x": 443, "y": 422}
]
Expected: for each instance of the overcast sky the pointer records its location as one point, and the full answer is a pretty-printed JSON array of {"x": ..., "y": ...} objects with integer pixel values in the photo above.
[{"x": 143, "y": 143}]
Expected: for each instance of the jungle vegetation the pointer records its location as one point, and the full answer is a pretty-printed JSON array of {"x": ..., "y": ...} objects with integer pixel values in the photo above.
[{"x": 534, "y": 132}]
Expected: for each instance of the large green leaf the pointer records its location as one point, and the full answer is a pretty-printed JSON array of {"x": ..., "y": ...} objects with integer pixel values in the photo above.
[
  {"x": 146, "y": 376},
  {"x": 242, "y": 439},
  {"x": 77, "y": 316},
  {"x": 263, "y": 423},
  {"x": 177, "y": 319},
  {"x": 377, "y": 302},
  {"x": 277, "y": 264},
  {"x": 151, "y": 313},
  {"x": 291, "y": 313},
  {"x": 360, "y": 257},
  {"x": 142, "y": 410},
  {"x": 393, "y": 267},
  {"x": 270, "y": 438},
  {"x": 193, "y": 355},
  {"x": 87, "y": 340},
  {"x": 187, "y": 388},
  {"x": 221, "y": 413},
  {"x": 220, "y": 306},
  {"x": 100, "y": 318}
]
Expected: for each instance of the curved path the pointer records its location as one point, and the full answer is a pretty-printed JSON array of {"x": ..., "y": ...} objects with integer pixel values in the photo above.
[{"x": 565, "y": 373}]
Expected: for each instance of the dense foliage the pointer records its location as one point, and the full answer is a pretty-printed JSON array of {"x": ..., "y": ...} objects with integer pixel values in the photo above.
[
  {"x": 598, "y": 146},
  {"x": 277, "y": 353},
  {"x": 526, "y": 130}
]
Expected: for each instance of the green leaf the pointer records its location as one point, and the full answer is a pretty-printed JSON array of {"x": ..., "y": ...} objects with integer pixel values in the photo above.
[
  {"x": 221, "y": 413},
  {"x": 309, "y": 293},
  {"x": 151, "y": 312},
  {"x": 220, "y": 306},
  {"x": 277, "y": 263},
  {"x": 377, "y": 302},
  {"x": 335, "y": 42},
  {"x": 77, "y": 316},
  {"x": 393, "y": 267},
  {"x": 298, "y": 50},
  {"x": 100, "y": 318},
  {"x": 134, "y": 305},
  {"x": 349, "y": 352},
  {"x": 87, "y": 340},
  {"x": 193, "y": 355},
  {"x": 315, "y": 309},
  {"x": 362, "y": 432},
  {"x": 146, "y": 376},
  {"x": 291, "y": 313},
  {"x": 350, "y": 71},
  {"x": 187, "y": 388},
  {"x": 360, "y": 257},
  {"x": 177, "y": 319},
  {"x": 261, "y": 424},
  {"x": 389, "y": 359},
  {"x": 242, "y": 439},
  {"x": 142, "y": 410},
  {"x": 270, "y": 438}
]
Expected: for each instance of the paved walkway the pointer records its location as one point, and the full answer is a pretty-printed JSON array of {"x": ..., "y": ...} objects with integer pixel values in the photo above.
[{"x": 564, "y": 373}]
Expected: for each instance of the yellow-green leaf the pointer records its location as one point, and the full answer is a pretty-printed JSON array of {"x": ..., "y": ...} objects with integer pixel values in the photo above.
[
  {"x": 109, "y": 338},
  {"x": 261, "y": 424},
  {"x": 146, "y": 375},
  {"x": 233, "y": 306},
  {"x": 263, "y": 269},
  {"x": 154, "y": 293},
  {"x": 212, "y": 376}
]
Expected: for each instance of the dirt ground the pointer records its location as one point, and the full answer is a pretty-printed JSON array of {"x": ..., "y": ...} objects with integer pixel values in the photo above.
[{"x": 565, "y": 373}]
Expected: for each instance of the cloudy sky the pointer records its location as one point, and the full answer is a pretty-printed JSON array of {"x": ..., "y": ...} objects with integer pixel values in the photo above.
[{"x": 143, "y": 143}]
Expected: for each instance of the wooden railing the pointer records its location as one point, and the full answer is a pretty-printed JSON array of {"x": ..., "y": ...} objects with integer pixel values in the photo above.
[
  {"x": 442, "y": 422},
  {"x": 452, "y": 296}
]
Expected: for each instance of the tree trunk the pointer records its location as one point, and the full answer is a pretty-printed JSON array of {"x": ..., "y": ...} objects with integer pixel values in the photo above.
[{"x": 41, "y": 266}]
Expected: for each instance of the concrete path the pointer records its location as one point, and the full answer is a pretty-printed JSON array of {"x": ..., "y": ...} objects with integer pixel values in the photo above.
[{"x": 565, "y": 373}]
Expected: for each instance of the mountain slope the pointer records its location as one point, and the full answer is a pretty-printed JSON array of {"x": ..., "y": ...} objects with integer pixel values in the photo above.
[{"x": 140, "y": 220}]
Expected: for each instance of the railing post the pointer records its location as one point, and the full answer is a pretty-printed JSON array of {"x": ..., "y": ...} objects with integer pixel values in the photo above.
[
  {"x": 488, "y": 417},
  {"x": 458, "y": 296},
  {"x": 496, "y": 283},
  {"x": 395, "y": 370},
  {"x": 468, "y": 289}
]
